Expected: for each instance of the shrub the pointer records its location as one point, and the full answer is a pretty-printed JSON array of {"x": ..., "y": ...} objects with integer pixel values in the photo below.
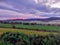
[
  {"x": 22, "y": 39},
  {"x": 4, "y": 43}
]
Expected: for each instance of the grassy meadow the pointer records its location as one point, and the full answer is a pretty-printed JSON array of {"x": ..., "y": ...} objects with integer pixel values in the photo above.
[{"x": 32, "y": 27}]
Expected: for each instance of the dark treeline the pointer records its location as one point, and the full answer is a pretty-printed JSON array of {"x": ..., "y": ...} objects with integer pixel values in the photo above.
[
  {"x": 22, "y": 39},
  {"x": 28, "y": 23}
]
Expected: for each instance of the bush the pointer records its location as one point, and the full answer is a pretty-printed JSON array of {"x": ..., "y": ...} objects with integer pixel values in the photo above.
[
  {"x": 13, "y": 26},
  {"x": 4, "y": 43},
  {"x": 22, "y": 39}
]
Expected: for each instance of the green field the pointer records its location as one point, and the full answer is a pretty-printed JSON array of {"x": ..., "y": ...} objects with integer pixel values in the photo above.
[
  {"x": 26, "y": 29},
  {"x": 32, "y": 27}
]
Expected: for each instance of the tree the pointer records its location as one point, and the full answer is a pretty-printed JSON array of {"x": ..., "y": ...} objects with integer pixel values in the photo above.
[{"x": 13, "y": 26}]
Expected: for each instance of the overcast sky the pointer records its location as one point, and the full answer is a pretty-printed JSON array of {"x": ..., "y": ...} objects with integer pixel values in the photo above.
[{"x": 29, "y": 9}]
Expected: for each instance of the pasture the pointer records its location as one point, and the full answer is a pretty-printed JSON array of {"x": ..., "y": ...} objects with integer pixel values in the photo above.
[{"x": 32, "y": 27}]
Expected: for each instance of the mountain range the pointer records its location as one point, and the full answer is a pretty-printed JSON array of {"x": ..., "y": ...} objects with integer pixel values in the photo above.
[{"x": 36, "y": 19}]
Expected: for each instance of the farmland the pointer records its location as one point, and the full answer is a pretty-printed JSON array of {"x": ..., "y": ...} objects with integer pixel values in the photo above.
[
  {"x": 20, "y": 34},
  {"x": 29, "y": 29},
  {"x": 32, "y": 27},
  {"x": 28, "y": 32}
]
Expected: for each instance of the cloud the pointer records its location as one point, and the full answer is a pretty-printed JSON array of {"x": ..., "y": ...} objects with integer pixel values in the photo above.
[
  {"x": 43, "y": 5},
  {"x": 5, "y": 5},
  {"x": 56, "y": 5},
  {"x": 8, "y": 14},
  {"x": 30, "y": 8}
]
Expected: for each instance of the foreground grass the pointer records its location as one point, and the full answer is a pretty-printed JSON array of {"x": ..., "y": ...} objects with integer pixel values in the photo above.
[
  {"x": 28, "y": 32},
  {"x": 23, "y": 39}
]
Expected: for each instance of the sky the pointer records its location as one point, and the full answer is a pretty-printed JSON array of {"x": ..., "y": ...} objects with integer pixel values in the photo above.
[{"x": 25, "y": 9}]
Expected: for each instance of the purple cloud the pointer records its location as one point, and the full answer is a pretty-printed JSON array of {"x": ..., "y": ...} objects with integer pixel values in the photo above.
[{"x": 29, "y": 7}]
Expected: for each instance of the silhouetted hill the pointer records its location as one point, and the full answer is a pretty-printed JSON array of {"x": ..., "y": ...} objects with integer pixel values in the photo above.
[{"x": 36, "y": 19}]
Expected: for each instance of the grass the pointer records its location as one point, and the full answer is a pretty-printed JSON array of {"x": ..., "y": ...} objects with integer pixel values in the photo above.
[
  {"x": 39, "y": 27},
  {"x": 28, "y": 32},
  {"x": 33, "y": 27},
  {"x": 8, "y": 27}
]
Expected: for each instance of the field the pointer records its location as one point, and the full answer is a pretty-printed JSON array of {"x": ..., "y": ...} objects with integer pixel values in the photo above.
[
  {"x": 29, "y": 29},
  {"x": 32, "y": 27},
  {"x": 19, "y": 34},
  {"x": 28, "y": 32}
]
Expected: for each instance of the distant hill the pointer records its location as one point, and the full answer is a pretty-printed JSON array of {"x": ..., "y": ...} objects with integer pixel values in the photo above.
[{"x": 36, "y": 19}]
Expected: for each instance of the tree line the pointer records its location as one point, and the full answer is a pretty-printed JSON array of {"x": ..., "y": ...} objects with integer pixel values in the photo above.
[{"x": 28, "y": 23}]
